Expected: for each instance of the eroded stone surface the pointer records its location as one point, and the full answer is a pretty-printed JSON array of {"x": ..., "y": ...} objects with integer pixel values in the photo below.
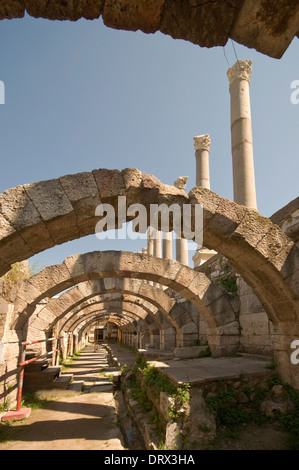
[{"x": 259, "y": 24}]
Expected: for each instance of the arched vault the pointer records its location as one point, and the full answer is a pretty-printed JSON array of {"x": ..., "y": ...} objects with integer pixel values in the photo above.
[
  {"x": 215, "y": 308},
  {"x": 58, "y": 310},
  {"x": 141, "y": 311},
  {"x": 35, "y": 217}
]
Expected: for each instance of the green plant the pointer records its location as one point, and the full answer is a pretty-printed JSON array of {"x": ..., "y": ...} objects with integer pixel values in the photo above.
[
  {"x": 229, "y": 414},
  {"x": 4, "y": 406},
  {"x": 69, "y": 360},
  {"x": 139, "y": 394},
  {"x": 130, "y": 348},
  {"x": 33, "y": 401},
  {"x": 205, "y": 353},
  {"x": 232, "y": 433},
  {"x": 8, "y": 432},
  {"x": 289, "y": 421},
  {"x": 203, "y": 428},
  {"x": 272, "y": 364},
  {"x": 18, "y": 272},
  {"x": 275, "y": 379},
  {"x": 160, "y": 426},
  {"x": 229, "y": 283}
]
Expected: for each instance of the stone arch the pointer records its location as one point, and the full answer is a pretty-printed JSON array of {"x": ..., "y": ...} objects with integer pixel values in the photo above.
[
  {"x": 129, "y": 315},
  {"x": 155, "y": 322},
  {"x": 85, "y": 293},
  {"x": 133, "y": 310},
  {"x": 129, "y": 329},
  {"x": 35, "y": 217},
  {"x": 58, "y": 310},
  {"x": 141, "y": 311},
  {"x": 209, "y": 299}
]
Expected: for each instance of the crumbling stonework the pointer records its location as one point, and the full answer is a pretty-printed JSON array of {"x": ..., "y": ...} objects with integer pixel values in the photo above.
[{"x": 254, "y": 23}]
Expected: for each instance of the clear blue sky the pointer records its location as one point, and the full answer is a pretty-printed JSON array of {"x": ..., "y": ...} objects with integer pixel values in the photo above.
[{"x": 80, "y": 96}]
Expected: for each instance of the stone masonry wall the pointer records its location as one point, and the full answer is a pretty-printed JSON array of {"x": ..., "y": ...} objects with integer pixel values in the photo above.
[{"x": 254, "y": 325}]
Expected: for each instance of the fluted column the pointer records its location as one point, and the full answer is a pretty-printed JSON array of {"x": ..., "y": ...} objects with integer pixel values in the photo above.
[{"x": 241, "y": 134}]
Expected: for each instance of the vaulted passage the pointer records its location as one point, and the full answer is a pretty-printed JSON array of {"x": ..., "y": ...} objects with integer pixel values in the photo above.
[{"x": 38, "y": 215}]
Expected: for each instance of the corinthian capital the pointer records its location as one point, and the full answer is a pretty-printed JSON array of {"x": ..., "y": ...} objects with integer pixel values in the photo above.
[
  {"x": 202, "y": 142},
  {"x": 241, "y": 69}
]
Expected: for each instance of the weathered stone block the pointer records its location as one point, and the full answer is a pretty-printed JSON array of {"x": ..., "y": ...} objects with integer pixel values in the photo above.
[
  {"x": 189, "y": 351},
  {"x": 18, "y": 209},
  {"x": 12, "y": 9},
  {"x": 55, "y": 209},
  {"x": 82, "y": 192},
  {"x": 67, "y": 10},
  {"x": 133, "y": 15},
  {"x": 12, "y": 246}
]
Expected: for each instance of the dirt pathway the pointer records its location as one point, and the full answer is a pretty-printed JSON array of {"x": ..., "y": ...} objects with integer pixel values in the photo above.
[{"x": 71, "y": 420}]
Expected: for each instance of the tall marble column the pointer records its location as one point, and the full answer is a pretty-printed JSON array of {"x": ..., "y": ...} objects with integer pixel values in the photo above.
[
  {"x": 150, "y": 248},
  {"x": 241, "y": 134},
  {"x": 181, "y": 244},
  {"x": 167, "y": 245},
  {"x": 202, "y": 154},
  {"x": 150, "y": 243},
  {"x": 182, "y": 254},
  {"x": 157, "y": 244}
]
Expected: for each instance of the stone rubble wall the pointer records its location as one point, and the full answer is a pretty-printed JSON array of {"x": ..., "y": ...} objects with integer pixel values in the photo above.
[
  {"x": 9, "y": 355},
  {"x": 195, "y": 424},
  {"x": 255, "y": 329}
]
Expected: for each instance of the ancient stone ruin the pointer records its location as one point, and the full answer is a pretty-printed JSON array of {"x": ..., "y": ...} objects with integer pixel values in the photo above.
[{"x": 241, "y": 297}]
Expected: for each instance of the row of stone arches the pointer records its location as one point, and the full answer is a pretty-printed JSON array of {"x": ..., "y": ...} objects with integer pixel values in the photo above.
[
  {"x": 37, "y": 216},
  {"x": 214, "y": 307}
]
